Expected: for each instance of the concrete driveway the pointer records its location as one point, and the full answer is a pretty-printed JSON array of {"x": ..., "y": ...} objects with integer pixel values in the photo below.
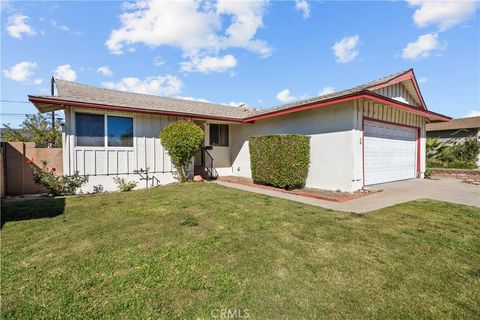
[{"x": 441, "y": 188}]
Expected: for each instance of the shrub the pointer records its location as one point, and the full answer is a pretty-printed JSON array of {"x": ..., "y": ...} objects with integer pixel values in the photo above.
[
  {"x": 124, "y": 185},
  {"x": 182, "y": 139},
  {"x": 56, "y": 185},
  {"x": 280, "y": 160},
  {"x": 458, "y": 155}
]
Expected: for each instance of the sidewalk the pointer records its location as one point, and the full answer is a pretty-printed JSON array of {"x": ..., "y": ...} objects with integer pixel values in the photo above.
[{"x": 442, "y": 189}]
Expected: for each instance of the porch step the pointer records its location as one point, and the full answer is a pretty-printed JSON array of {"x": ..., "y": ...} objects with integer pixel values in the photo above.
[{"x": 201, "y": 171}]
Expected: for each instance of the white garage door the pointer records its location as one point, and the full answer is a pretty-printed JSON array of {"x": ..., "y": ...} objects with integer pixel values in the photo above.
[{"x": 390, "y": 152}]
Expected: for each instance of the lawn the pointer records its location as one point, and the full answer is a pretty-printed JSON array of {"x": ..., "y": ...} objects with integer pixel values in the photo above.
[{"x": 191, "y": 251}]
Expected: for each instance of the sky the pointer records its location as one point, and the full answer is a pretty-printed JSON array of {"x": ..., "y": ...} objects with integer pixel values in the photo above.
[{"x": 258, "y": 53}]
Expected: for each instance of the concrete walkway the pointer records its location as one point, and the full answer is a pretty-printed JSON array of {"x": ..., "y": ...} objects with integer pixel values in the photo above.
[{"x": 443, "y": 189}]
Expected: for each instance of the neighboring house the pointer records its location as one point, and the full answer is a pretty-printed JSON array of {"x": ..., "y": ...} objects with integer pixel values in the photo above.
[
  {"x": 456, "y": 130},
  {"x": 365, "y": 135}
]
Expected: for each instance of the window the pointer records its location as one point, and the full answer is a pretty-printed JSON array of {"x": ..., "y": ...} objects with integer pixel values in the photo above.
[
  {"x": 120, "y": 131},
  {"x": 90, "y": 130},
  {"x": 219, "y": 135}
]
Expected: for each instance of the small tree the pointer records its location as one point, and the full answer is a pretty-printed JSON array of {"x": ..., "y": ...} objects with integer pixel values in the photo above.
[
  {"x": 182, "y": 139},
  {"x": 36, "y": 128}
]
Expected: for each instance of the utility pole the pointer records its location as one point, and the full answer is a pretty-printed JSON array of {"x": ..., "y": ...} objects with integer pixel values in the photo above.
[{"x": 52, "y": 93}]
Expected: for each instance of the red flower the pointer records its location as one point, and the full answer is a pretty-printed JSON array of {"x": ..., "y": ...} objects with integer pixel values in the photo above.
[
  {"x": 54, "y": 169},
  {"x": 30, "y": 161}
]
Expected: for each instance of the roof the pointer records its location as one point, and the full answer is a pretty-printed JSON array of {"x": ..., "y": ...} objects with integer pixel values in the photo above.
[
  {"x": 337, "y": 94},
  {"x": 455, "y": 124},
  {"x": 74, "y": 94},
  {"x": 82, "y": 93}
]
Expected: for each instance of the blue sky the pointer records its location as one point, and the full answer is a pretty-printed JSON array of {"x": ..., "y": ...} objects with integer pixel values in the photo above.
[{"x": 258, "y": 53}]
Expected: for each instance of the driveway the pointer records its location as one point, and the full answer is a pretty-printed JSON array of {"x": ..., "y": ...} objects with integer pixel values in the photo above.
[{"x": 441, "y": 188}]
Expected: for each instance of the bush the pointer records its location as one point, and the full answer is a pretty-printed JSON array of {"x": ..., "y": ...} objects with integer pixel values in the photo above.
[
  {"x": 182, "y": 139},
  {"x": 458, "y": 155},
  {"x": 124, "y": 185},
  {"x": 280, "y": 160},
  {"x": 56, "y": 185}
]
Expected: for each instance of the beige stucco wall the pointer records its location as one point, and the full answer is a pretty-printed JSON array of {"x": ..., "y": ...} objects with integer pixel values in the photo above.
[{"x": 331, "y": 149}]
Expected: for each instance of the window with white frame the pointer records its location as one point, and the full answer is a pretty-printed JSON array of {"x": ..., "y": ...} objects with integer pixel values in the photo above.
[
  {"x": 219, "y": 135},
  {"x": 91, "y": 130}
]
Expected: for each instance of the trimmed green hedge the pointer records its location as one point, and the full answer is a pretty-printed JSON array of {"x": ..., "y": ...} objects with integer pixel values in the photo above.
[{"x": 280, "y": 160}]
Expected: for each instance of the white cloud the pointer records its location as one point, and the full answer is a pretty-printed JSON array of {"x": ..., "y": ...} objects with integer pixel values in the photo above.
[
  {"x": 209, "y": 64},
  {"x": 38, "y": 81},
  {"x": 16, "y": 26},
  {"x": 473, "y": 113},
  {"x": 235, "y": 104},
  {"x": 444, "y": 14},
  {"x": 285, "y": 96},
  {"x": 105, "y": 71},
  {"x": 65, "y": 72},
  {"x": 326, "y": 90},
  {"x": 199, "y": 32},
  {"x": 56, "y": 25},
  {"x": 346, "y": 50},
  {"x": 304, "y": 6},
  {"x": 192, "y": 98},
  {"x": 422, "y": 80},
  {"x": 157, "y": 85},
  {"x": 421, "y": 48},
  {"x": 21, "y": 71},
  {"x": 158, "y": 61}
]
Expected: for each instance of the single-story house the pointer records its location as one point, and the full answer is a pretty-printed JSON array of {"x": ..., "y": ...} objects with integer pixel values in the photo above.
[
  {"x": 369, "y": 134},
  {"x": 456, "y": 130}
]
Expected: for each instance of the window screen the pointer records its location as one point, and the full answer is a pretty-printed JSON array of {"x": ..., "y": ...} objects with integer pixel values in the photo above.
[
  {"x": 219, "y": 135},
  {"x": 120, "y": 131},
  {"x": 90, "y": 130}
]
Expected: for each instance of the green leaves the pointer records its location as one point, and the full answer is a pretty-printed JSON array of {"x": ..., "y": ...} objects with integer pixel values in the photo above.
[
  {"x": 182, "y": 139},
  {"x": 280, "y": 160},
  {"x": 36, "y": 128}
]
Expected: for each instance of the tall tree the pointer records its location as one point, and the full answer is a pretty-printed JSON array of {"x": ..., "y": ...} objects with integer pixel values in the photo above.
[{"x": 36, "y": 128}]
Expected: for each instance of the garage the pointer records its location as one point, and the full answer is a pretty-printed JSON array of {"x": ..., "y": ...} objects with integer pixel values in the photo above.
[{"x": 390, "y": 152}]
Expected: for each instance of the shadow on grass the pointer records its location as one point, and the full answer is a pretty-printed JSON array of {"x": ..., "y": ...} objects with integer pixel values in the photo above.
[{"x": 19, "y": 210}]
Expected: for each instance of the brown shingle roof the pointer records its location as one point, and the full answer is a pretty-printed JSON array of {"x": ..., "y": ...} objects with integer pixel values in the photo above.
[
  {"x": 76, "y": 92},
  {"x": 455, "y": 124},
  {"x": 332, "y": 95}
]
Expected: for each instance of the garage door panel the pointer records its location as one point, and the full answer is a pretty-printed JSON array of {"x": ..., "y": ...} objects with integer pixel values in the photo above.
[{"x": 389, "y": 153}]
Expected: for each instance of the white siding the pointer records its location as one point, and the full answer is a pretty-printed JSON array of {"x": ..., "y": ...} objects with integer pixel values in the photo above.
[
  {"x": 397, "y": 91},
  {"x": 107, "y": 162}
]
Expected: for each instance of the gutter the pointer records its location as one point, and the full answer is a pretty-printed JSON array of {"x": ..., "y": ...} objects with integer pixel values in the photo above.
[
  {"x": 364, "y": 94},
  {"x": 67, "y": 103}
]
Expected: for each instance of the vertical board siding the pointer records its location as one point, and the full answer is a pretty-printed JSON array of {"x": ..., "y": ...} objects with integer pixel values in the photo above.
[
  {"x": 389, "y": 114},
  {"x": 397, "y": 90},
  {"x": 147, "y": 151}
]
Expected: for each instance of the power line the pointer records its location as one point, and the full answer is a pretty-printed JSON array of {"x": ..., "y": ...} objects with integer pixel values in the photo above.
[{"x": 14, "y": 101}]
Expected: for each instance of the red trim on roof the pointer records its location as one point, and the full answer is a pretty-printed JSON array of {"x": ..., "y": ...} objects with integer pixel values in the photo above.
[
  {"x": 360, "y": 95},
  {"x": 409, "y": 75},
  {"x": 66, "y": 103}
]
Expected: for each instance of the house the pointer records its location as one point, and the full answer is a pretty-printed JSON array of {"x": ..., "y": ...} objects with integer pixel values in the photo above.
[
  {"x": 369, "y": 134},
  {"x": 456, "y": 130}
]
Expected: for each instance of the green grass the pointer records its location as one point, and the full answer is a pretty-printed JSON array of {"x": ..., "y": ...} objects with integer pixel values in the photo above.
[{"x": 185, "y": 251}]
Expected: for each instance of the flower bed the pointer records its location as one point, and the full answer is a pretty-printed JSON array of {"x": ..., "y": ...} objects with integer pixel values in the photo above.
[{"x": 306, "y": 192}]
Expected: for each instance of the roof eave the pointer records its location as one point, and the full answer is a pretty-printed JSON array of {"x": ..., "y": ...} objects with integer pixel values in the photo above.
[
  {"x": 62, "y": 104},
  {"x": 365, "y": 94}
]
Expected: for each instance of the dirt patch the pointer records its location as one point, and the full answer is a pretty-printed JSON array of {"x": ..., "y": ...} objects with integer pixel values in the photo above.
[{"x": 336, "y": 196}]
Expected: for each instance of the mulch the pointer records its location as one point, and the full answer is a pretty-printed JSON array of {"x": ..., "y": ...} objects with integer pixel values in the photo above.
[{"x": 306, "y": 192}]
